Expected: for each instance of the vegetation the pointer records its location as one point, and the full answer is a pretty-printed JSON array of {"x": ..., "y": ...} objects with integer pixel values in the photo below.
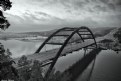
[
  {"x": 7, "y": 71},
  {"x": 33, "y": 71},
  {"x": 118, "y": 35},
  {"x": 23, "y": 61},
  {"x": 6, "y": 5},
  {"x": 106, "y": 41},
  {"x": 29, "y": 71}
]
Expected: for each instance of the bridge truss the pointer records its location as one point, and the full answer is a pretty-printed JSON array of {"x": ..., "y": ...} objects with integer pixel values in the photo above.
[{"x": 83, "y": 32}]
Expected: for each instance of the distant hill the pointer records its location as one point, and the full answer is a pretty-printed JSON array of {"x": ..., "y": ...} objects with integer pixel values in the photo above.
[{"x": 102, "y": 31}]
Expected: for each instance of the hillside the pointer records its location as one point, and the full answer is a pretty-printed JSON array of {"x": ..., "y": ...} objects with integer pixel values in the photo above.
[
  {"x": 111, "y": 42},
  {"x": 7, "y": 35}
]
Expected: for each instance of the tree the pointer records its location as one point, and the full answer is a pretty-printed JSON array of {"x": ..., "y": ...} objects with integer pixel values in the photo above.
[
  {"x": 6, "y": 5},
  {"x": 23, "y": 61},
  {"x": 24, "y": 71},
  {"x": 7, "y": 71},
  {"x": 29, "y": 71},
  {"x": 118, "y": 35},
  {"x": 36, "y": 74}
]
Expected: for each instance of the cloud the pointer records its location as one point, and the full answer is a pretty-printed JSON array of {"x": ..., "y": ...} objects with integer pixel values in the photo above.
[
  {"x": 14, "y": 19},
  {"x": 60, "y": 13}
]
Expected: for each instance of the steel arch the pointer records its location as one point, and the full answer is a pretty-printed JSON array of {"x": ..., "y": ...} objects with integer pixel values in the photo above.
[
  {"x": 64, "y": 44},
  {"x": 39, "y": 49},
  {"x": 84, "y": 27},
  {"x": 52, "y": 35}
]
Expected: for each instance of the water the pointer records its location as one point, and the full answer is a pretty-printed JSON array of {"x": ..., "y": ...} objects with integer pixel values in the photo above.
[
  {"x": 19, "y": 48},
  {"x": 107, "y": 66}
]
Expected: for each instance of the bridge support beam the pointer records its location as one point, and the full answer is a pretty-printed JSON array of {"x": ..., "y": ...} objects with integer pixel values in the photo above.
[{"x": 62, "y": 47}]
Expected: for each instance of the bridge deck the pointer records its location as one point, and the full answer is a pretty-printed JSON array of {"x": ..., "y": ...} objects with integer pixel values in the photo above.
[{"x": 42, "y": 56}]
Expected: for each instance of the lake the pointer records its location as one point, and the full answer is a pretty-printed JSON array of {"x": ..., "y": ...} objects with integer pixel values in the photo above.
[
  {"x": 107, "y": 65},
  {"x": 19, "y": 48}
]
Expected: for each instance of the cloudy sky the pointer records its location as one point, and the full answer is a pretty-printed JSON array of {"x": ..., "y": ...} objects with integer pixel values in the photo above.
[{"x": 39, "y": 15}]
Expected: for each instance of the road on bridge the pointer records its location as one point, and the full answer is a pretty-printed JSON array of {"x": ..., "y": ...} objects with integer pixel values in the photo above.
[{"x": 49, "y": 54}]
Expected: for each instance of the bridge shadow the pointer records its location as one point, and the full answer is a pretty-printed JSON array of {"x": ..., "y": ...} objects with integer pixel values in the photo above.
[{"x": 74, "y": 71}]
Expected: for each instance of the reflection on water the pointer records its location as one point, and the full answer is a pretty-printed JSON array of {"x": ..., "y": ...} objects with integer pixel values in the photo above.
[
  {"x": 66, "y": 61},
  {"x": 107, "y": 66}
]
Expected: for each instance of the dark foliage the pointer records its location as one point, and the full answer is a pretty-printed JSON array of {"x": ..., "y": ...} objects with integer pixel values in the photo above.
[
  {"x": 118, "y": 35},
  {"x": 23, "y": 61},
  {"x": 7, "y": 71},
  {"x": 106, "y": 41},
  {"x": 6, "y": 5},
  {"x": 29, "y": 71}
]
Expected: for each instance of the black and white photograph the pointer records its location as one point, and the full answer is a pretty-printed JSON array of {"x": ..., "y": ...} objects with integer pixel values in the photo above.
[{"x": 60, "y": 40}]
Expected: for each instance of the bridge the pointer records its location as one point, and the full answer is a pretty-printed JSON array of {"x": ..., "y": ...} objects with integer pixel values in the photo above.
[{"x": 73, "y": 39}]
